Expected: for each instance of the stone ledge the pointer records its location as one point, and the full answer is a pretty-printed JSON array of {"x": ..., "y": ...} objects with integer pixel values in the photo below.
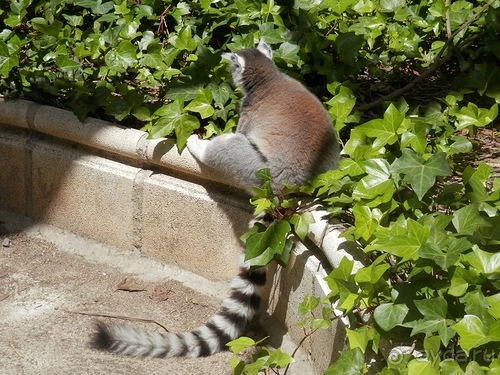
[{"x": 114, "y": 140}]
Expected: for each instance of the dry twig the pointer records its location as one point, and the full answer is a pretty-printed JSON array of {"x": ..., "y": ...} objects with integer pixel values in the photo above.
[{"x": 119, "y": 317}]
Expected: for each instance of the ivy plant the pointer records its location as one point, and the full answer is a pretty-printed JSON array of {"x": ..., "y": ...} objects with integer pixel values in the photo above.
[
  {"x": 411, "y": 87},
  {"x": 429, "y": 228}
]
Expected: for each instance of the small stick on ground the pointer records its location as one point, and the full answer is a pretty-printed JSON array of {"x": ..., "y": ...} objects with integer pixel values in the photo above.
[
  {"x": 119, "y": 317},
  {"x": 17, "y": 351}
]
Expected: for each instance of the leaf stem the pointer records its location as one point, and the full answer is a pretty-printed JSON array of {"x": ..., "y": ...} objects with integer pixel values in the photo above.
[{"x": 298, "y": 346}]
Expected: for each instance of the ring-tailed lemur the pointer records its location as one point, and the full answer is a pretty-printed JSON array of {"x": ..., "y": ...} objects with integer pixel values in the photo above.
[{"x": 282, "y": 127}]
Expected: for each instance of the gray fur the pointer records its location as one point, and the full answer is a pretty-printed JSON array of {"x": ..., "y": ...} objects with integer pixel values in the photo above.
[{"x": 282, "y": 127}]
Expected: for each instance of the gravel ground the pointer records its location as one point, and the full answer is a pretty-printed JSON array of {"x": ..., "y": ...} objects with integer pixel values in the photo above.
[{"x": 47, "y": 290}]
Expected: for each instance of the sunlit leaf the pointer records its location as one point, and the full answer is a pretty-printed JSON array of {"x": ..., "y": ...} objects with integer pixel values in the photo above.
[
  {"x": 389, "y": 315},
  {"x": 421, "y": 174},
  {"x": 472, "y": 332},
  {"x": 351, "y": 362},
  {"x": 267, "y": 244},
  {"x": 467, "y": 220}
]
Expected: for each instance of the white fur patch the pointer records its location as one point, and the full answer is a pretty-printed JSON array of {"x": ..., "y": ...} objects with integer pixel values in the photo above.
[
  {"x": 236, "y": 307},
  {"x": 192, "y": 344},
  {"x": 226, "y": 325},
  {"x": 197, "y": 147},
  {"x": 211, "y": 338}
]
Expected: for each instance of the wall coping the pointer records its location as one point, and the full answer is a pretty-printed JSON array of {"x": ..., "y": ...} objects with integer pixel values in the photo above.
[{"x": 102, "y": 135}]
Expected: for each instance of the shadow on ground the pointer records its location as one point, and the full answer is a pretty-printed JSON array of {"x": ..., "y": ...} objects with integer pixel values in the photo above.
[{"x": 45, "y": 290}]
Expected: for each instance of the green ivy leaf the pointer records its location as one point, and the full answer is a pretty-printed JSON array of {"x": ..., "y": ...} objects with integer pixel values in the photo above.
[
  {"x": 474, "y": 368},
  {"x": 450, "y": 367},
  {"x": 383, "y": 130},
  {"x": 261, "y": 204},
  {"x": 391, "y": 5},
  {"x": 400, "y": 242},
  {"x": 171, "y": 110},
  {"x": 341, "y": 273},
  {"x": 475, "y": 304},
  {"x": 472, "y": 115},
  {"x": 377, "y": 187},
  {"x": 44, "y": 27},
  {"x": 183, "y": 40},
  {"x": 320, "y": 323},
  {"x": 99, "y": 6},
  {"x": 421, "y": 367},
  {"x": 350, "y": 362},
  {"x": 349, "y": 295},
  {"x": 289, "y": 53},
  {"x": 301, "y": 223},
  {"x": 18, "y": 9},
  {"x": 202, "y": 104},
  {"x": 472, "y": 332},
  {"x": 221, "y": 93},
  {"x": 461, "y": 279},
  {"x": 278, "y": 359},
  {"x": 123, "y": 57},
  {"x": 421, "y": 174},
  {"x": 460, "y": 145},
  {"x": 467, "y": 220},
  {"x": 165, "y": 124},
  {"x": 339, "y": 6},
  {"x": 415, "y": 138},
  {"x": 360, "y": 146},
  {"x": 389, "y": 315},
  {"x": 184, "y": 126},
  {"x": 494, "y": 305},
  {"x": 445, "y": 259},
  {"x": 487, "y": 263},
  {"x": 372, "y": 273},
  {"x": 366, "y": 221},
  {"x": 129, "y": 30},
  {"x": 348, "y": 45},
  {"x": 360, "y": 337},
  {"x": 432, "y": 345},
  {"x": 341, "y": 106},
  {"x": 308, "y": 304},
  {"x": 267, "y": 244},
  {"x": 142, "y": 113},
  {"x": 8, "y": 61},
  {"x": 65, "y": 63},
  {"x": 435, "y": 311},
  {"x": 153, "y": 60},
  {"x": 242, "y": 343}
]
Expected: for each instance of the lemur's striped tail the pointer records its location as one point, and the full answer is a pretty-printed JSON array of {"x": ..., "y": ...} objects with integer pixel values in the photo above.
[{"x": 236, "y": 311}]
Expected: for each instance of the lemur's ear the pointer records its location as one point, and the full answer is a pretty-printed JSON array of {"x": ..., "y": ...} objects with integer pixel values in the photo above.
[
  {"x": 265, "y": 49},
  {"x": 236, "y": 62},
  {"x": 227, "y": 56}
]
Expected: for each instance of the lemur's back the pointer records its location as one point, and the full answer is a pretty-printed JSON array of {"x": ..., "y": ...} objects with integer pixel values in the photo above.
[{"x": 291, "y": 128}]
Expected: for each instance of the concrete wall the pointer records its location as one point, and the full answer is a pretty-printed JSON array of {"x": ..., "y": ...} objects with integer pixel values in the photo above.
[
  {"x": 113, "y": 185},
  {"x": 110, "y": 184}
]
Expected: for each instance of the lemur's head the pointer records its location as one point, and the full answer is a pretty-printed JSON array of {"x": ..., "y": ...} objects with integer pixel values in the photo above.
[{"x": 249, "y": 66}]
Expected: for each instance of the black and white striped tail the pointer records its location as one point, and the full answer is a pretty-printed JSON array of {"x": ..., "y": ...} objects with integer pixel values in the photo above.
[{"x": 236, "y": 311}]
